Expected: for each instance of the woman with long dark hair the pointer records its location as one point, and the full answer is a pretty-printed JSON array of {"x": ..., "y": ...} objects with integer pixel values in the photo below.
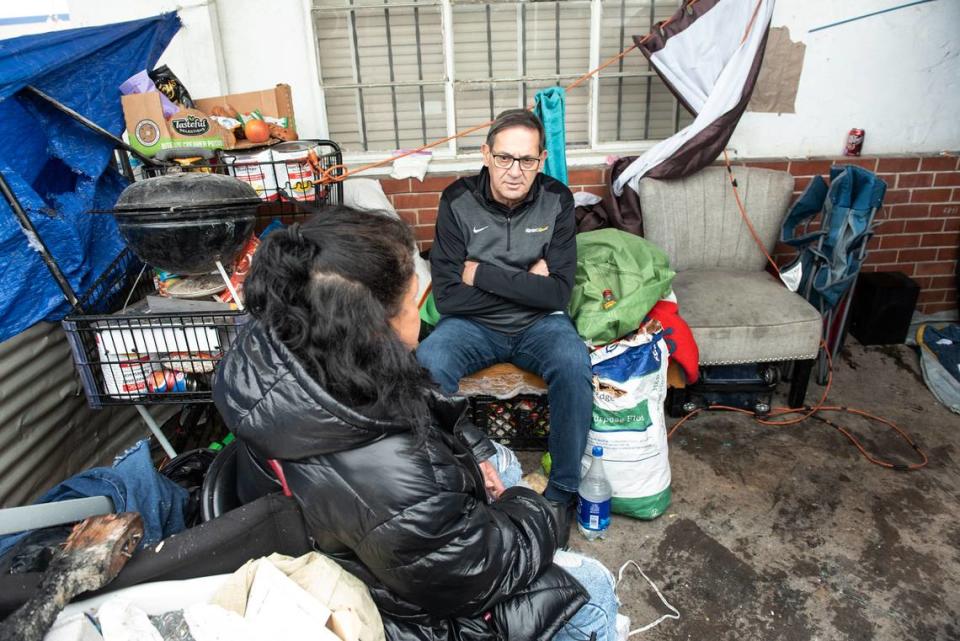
[{"x": 393, "y": 480}]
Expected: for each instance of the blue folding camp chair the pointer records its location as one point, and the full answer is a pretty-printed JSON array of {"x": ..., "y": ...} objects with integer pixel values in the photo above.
[{"x": 832, "y": 253}]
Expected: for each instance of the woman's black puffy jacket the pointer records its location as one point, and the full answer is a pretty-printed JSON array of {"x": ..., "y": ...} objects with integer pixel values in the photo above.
[{"x": 411, "y": 522}]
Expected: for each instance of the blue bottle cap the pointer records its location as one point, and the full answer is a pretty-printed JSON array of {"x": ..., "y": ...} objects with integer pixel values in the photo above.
[{"x": 597, "y": 451}]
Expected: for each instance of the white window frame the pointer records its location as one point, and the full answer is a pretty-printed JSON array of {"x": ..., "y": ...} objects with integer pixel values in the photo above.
[{"x": 446, "y": 158}]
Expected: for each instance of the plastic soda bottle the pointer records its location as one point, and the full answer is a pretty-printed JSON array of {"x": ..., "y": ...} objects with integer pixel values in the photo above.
[
  {"x": 593, "y": 506},
  {"x": 608, "y": 299}
]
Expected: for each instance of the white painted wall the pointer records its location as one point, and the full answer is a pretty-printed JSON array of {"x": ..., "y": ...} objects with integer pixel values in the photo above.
[
  {"x": 231, "y": 46},
  {"x": 896, "y": 75},
  {"x": 192, "y": 54},
  {"x": 37, "y": 16}
]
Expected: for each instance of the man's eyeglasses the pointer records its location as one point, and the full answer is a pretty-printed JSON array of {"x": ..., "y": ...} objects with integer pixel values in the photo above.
[{"x": 505, "y": 161}]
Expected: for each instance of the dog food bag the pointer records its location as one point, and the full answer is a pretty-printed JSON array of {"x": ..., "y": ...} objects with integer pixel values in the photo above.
[{"x": 630, "y": 385}]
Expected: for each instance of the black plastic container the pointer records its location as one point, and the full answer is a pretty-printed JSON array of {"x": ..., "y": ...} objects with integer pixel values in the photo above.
[
  {"x": 883, "y": 307},
  {"x": 748, "y": 386},
  {"x": 186, "y": 223}
]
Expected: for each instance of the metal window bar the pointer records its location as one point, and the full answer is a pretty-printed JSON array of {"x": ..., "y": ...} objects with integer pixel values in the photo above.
[
  {"x": 423, "y": 107},
  {"x": 393, "y": 78},
  {"x": 450, "y": 72},
  {"x": 593, "y": 97},
  {"x": 475, "y": 81},
  {"x": 522, "y": 44},
  {"x": 646, "y": 112},
  {"x": 489, "y": 9},
  {"x": 357, "y": 77},
  {"x": 556, "y": 19},
  {"x": 360, "y": 7},
  {"x": 623, "y": 20}
]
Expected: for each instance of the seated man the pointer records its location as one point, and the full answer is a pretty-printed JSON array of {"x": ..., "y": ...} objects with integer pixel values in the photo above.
[{"x": 503, "y": 263}]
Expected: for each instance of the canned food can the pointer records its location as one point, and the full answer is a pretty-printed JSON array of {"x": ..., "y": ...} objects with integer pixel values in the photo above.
[
  {"x": 256, "y": 169},
  {"x": 295, "y": 174},
  {"x": 157, "y": 382},
  {"x": 608, "y": 299},
  {"x": 854, "y": 142},
  {"x": 176, "y": 381}
]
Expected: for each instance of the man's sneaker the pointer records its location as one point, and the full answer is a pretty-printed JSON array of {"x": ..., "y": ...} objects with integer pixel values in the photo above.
[{"x": 564, "y": 513}]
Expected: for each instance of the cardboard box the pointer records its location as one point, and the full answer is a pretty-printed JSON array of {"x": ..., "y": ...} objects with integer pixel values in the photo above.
[{"x": 150, "y": 132}]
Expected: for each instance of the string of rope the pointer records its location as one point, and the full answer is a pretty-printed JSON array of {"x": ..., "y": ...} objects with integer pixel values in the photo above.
[
  {"x": 663, "y": 599},
  {"x": 753, "y": 18},
  {"x": 339, "y": 173}
]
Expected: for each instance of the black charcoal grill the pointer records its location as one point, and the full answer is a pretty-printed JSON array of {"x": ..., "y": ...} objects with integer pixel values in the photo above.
[{"x": 186, "y": 223}]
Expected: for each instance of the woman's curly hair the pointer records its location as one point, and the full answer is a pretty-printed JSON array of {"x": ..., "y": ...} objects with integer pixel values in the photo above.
[{"x": 328, "y": 289}]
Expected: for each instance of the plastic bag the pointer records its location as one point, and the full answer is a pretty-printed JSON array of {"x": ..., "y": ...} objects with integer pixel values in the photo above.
[
  {"x": 169, "y": 85},
  {"x": 620, "y": 277},
  {"x": 630, "y": 385}
]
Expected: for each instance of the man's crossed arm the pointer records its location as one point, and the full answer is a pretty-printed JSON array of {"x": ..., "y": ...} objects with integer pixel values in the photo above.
[{"x": 464, "y": 286}]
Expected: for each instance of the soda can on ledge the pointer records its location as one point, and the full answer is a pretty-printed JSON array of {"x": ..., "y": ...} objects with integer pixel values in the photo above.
[{"x": 854, "y": 142}]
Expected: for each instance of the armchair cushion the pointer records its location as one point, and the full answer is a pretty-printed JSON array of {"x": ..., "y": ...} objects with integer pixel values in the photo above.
[{"x": 746, "y": 317}]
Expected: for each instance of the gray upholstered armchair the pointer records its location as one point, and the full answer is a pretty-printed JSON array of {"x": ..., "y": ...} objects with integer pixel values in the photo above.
[{"x": 737, "y": 311}]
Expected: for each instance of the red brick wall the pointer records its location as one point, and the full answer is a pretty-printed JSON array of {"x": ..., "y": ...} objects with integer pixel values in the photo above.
[{"x": 919, "y": 235}]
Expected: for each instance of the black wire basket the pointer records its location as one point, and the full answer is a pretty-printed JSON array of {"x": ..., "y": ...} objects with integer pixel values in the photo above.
[
  {"x": 127, "y": 350},
  {"x": 128, "y": 354},
  {"x": 288, "y": 177}
]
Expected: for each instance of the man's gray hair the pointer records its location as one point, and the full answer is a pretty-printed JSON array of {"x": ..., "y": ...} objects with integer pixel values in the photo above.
[{"x": 516, "y": 118}]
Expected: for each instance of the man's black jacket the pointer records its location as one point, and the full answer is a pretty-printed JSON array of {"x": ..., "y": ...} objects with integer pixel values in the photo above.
[{"x": 473, "y": 226}]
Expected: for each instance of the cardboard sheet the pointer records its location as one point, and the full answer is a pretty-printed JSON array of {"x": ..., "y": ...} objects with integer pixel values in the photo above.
[{"x": 776, "y": 89}]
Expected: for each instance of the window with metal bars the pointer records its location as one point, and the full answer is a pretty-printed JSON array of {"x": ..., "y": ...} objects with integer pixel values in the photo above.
[{"x": 402, "y": 73}]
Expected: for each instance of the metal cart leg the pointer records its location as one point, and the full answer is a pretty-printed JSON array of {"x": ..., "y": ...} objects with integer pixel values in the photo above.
[{"x": 155, "y": 429}]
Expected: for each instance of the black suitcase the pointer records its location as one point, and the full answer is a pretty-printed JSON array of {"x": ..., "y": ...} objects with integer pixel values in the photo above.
[{"x": 749, "y": 387}]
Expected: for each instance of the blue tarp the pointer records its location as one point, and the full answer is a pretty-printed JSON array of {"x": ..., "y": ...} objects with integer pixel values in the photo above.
[{"x": 57, "y": 168}]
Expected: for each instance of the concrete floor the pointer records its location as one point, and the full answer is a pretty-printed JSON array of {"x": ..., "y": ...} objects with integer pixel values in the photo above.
[{"x": 790, "y": 534}]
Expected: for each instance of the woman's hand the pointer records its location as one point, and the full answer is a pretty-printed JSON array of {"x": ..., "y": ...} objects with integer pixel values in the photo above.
[{"x": 491, "y": 480}]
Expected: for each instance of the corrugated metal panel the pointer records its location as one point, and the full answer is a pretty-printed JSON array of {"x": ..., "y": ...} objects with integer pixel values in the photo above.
[{"x": 47, "y": 432}]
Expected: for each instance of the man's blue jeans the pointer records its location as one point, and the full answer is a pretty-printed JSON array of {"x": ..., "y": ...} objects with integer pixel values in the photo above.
[{"x": 550, "y": 348}]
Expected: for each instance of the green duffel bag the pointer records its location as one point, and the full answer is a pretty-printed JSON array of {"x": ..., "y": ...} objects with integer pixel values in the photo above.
[{"x": 633, "y": 272}]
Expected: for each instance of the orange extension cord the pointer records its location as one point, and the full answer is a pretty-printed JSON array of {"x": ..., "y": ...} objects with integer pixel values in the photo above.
[{"x": 814, "y": 411}]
